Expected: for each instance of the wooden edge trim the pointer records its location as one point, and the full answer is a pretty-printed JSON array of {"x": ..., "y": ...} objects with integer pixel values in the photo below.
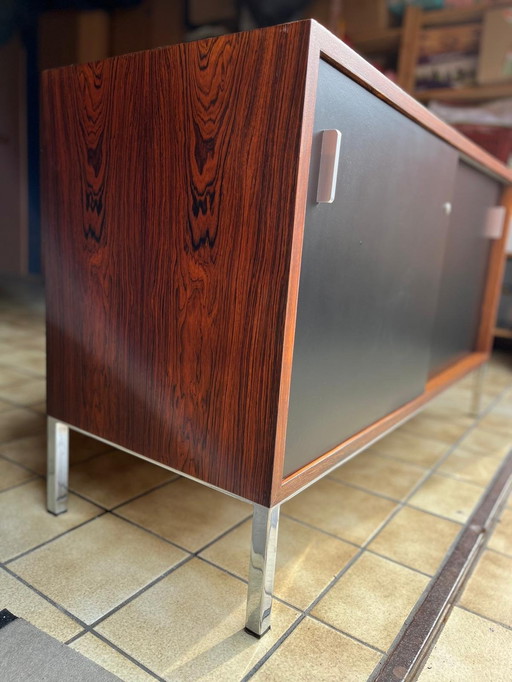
[
  {"x": 355, "y": 444},
  {"x": 356, "y": 67},
  {"x": 413, "y": 644},
  {"x": 496, "y": 269},
  {"x": 308, "y": 118}
]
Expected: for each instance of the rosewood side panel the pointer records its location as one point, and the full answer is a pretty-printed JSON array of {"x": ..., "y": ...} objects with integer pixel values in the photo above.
[{"x": 169, "y": 195}]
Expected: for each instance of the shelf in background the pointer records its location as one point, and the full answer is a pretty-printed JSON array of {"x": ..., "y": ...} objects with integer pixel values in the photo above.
[
  {"x": 377, "y": 41},
  {"x": 502, "y": 333},
  {"x": 471, "y": 94}
]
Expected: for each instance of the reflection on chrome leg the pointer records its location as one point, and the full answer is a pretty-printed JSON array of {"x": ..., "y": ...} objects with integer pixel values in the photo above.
[
  {"x": 261, "y": 569},
  {"x": 57, "y": 466}
]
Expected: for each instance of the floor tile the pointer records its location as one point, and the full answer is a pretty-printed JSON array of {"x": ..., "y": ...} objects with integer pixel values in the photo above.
[
  {"x": 445, "y": 430},
  {"x": 189, "y": 626},
  {"x": 39, "y": 407},
  {"x": 471, "y": 466},
  {"x": 416, "y": 539},
  {"x": 372, "y": 600},
  {"x": 104, "y": 655},
  {"x": 115, "y": 477},
  {"x": 501, "y": 538},
  {"x": 19, "y": 423},
  {"x": 447, "y": 497},
  {"x": 497, "y": 423},
  {"x": 469, "y": 649},
  {"x": 380, "y": 474},
  {"x": 31, "y": 451},
  {"x": 25, "y": 392},
  {"x": 26, "y": 523},
  {"x": 30, "y": 360},
  {"x": 424, "y": 452},
  {"x": 5, "y": 406},
  {"x": 346, "y": 512},
  {"x": 487, "y": 443},
  {"x": 316, "y": 652},
  {"x": 300, "y": 575},
  {"x": 25, "y": 603},
  {"x": 11, "y": 474},
  {"x": 187, "y": 513},
  {"x": 98, "y": 566},
  {"x": 489, "y": 589},
  {"x": 9, "y": 375}
]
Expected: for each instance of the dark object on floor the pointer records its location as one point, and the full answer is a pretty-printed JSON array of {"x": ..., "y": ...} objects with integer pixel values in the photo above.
[{"x": 30, "y": 655}]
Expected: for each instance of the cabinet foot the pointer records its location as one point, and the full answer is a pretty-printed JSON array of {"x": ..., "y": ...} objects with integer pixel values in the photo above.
[
  {"x": 261, "y": 569},
  {"x": 57, "y": 466}
]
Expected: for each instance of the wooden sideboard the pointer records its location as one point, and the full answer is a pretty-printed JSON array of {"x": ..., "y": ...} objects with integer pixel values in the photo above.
[{"x": 206, "y": 312}]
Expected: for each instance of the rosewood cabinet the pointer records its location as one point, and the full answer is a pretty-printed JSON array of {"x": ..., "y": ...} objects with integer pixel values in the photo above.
[{"x": 207, "y": 312}]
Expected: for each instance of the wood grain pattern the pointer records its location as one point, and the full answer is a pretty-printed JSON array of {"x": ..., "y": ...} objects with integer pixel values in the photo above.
[{"x": 170, "y": 179}]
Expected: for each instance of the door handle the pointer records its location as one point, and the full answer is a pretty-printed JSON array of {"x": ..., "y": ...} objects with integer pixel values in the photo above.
[{"x": 328, "y": 172}]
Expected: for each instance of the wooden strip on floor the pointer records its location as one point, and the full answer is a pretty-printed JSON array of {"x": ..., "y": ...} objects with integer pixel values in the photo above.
[{"x": 410, "y": 648}]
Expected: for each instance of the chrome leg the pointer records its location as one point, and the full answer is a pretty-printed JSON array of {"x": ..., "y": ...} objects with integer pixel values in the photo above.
[
  {"x": 261, "y": 569},
  {"x": 478, "y": 387},
  {"x": 57, "y": 466}
]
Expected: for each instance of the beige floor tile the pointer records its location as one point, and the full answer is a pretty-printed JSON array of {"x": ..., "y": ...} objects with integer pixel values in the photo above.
[
  {"x": 189, "y": 626},
  {"x": 11, "y": 474},
  {"x": 5, "y": 406},
  {"x": 471, "y": 466},
  {"x": 187, "y": 513},
  {"x": 99, "y": 565},
  {"x": 25, "y": 603},
  {"x": 104, "y": 655},
  {"x": 115, "y": 477},
  {"x": 26, "y": 523},
  {"x": 416, "y": 539},
  {"x": 346, "y": 512},
  {"x": 25, "y": 392},
  {"x": 31, "y": 451},
  {"x": 29, "y": 360},
  {"x": 501, "y": 538},
  {"x": 316, "y": 652},
  {"x": 485, "y": 442},
  {"x": 447, "y": 497},
  {"x": 300, "y": 576},
  {"x": 497, "y": 423},
  {"x": 19, "y": 423},
  {"x": 372, "y": 600},
  {"x": 9, "y": 375},
  {"x": 39, "y": 407},
  {"x": 380, "y": 474},
  {"x": 424, "y": 452},
  {"x": 489, "y": 588},
  {"x": 469, "y": 649},
  {"x": 445, "y": 430}
]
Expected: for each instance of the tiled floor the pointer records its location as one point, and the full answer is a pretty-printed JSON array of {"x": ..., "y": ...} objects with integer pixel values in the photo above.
[{"x": 146, "y": 572}]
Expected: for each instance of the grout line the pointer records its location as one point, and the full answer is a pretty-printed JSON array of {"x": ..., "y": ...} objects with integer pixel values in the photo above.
[
  {"x": 497, "y": 551},
  {"x": 481, "y": 615},
  {"x": 274, "y": 648},
  {"x": 50, "y": 540},
  {"x": 140, "y": 591},
  {"x": 23, "y": 466},
  {"x": 151, "y": 532},
  {"x": 77, "y": 636},
  {"x": 169, "y": 481},
  {"x": 46, "y": 598},
  {"x": 31, "y": 479},
  {"x": 347, "y": 634},
  {"x": 125, "y": 654}
]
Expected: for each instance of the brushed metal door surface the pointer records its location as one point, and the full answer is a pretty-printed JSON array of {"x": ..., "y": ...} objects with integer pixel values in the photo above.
[
  {"x": 464, "y": 268},
  {"x": 370, "y": 273}
]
